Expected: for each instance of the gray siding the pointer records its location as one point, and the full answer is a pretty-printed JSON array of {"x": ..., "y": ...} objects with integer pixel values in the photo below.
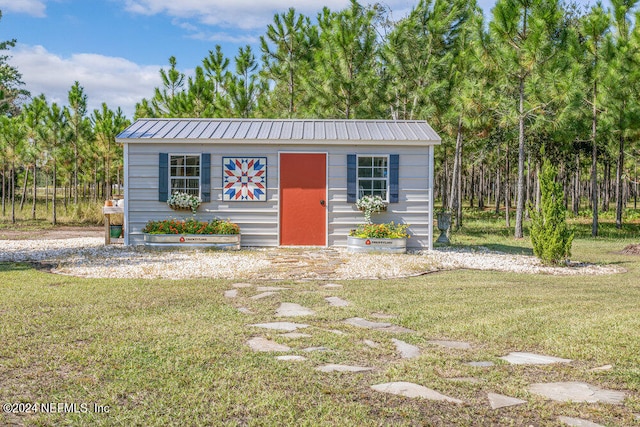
[{"x": 258, "y": 221}]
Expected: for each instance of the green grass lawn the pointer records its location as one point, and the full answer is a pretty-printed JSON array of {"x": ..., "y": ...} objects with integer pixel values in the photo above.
[{"x": 173, "y": 352}]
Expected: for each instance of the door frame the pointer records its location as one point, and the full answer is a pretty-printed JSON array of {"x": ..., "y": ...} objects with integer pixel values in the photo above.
[{"x": 326, "y": 191}]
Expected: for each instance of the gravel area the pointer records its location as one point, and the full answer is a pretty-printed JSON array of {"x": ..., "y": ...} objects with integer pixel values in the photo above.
[{"x": 88, "y": 257}]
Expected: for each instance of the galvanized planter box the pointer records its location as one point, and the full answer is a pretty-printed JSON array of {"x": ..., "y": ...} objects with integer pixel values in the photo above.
[
  {"x": 372, "y": 244},
  {"x": 211, "y": 241}
]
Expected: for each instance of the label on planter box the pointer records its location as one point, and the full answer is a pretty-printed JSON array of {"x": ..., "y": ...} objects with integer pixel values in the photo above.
[{"x": 378, "y": 242}]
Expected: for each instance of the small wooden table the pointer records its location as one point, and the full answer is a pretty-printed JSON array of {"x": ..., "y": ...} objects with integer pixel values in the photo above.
[{"x": 108, "y": 211}]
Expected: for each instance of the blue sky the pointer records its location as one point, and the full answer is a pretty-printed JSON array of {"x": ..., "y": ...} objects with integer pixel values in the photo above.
[{"x": 115, "y": 48}]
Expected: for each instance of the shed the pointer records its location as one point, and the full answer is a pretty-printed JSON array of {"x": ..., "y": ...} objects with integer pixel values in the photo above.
[{"x": 284, "y": 182}]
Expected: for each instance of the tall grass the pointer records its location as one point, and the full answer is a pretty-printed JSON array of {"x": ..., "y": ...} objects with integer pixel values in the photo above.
[{"x": 84, "y": 213}]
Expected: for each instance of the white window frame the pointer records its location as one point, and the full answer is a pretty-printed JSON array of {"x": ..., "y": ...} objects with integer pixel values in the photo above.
[
  {"x": 170, "y": 186},
  {"x": 386, "y": 178}
]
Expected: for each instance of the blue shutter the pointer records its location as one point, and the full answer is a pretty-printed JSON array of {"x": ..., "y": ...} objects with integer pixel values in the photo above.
[
  {"x": 163, "y": 177},
  {"x": 394, "y": 174},
  {"x": 205, "y": 177},
  {"x": 352, "y": 188}
]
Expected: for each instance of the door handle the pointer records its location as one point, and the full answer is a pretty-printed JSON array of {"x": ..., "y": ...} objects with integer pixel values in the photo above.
[{"x": 322, "y": 202}]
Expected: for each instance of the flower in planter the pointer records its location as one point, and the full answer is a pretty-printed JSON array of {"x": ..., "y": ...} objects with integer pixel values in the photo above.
[
  {"x": 182, "y": 200},
  {"x": 191, "y": 226},
  {"x": 389, "y": 230},
  {"x": 370, "y": 205}
]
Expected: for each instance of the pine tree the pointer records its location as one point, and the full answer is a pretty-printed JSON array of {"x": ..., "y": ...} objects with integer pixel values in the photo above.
[{"x": 550, "y": 236}]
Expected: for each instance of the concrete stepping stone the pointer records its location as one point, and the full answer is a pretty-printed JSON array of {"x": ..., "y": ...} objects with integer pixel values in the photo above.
[
  {"x": 458, "y": 345},
  {"x": 291, "y": 358},
  {"x": 281, "y": 326},
  {"x": 575, "y": 391},
  {"x": 270, "y": 289},
  {"x": 406, "y": 350},
  {"x": 342, "y": 368},
  {"x": 263, "y": 295},
  {"x": 244, "y": 310},
  {"x": 577, "y": 422},
  {"x": 242, "y": 285},
  {"x": 332, "y": 286},
  {"x": 336, "y": 331},
  {"x": 295, "y": 335},
  {"x": 378, "y": 326},
  {"x": 337, "y": 302},
  {"x": 289, "y": 309},
  {"x": 407, "y": 389},
  {"x": 498, "y": 401},
  {"x": 371, "y": 344},
  {"x": 231, "y": 293},
  {"x": 263, "y": 344},
  {"x": 312, "y": 349},
  {"x": 521, "y": 358},
  {"x": 482, "y": 364}
]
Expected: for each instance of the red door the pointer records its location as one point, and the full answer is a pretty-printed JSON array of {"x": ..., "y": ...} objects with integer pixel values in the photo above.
[{"x": 303, "y": 195}]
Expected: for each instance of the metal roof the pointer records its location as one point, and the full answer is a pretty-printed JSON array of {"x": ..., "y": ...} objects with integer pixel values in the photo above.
[{"x": 414, "y": 132}]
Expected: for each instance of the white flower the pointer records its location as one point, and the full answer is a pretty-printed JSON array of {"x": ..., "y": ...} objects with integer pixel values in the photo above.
[
  {"x": 370, "y": 205},
  {"x": 181, "y": 200}
]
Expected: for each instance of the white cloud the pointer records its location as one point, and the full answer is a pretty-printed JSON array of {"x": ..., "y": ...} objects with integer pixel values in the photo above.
[
  {"x": 243, "y": 14},
  {"x": 116, "y": 81},
  {"x": 30, "y": 7}
]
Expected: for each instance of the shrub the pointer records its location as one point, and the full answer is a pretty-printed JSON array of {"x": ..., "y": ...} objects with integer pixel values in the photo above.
[
  {"x": 550, "y": 236},
  {"x": 191, "y": 226}
]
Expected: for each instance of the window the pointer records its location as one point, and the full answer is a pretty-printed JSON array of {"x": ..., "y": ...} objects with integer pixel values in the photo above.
[
  {"x": 373, "y": 176},
  {"x": 184, "y": 174}
]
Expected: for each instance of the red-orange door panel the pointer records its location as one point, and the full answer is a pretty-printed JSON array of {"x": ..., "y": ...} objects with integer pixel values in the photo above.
[{"x": 303, "y": 195}]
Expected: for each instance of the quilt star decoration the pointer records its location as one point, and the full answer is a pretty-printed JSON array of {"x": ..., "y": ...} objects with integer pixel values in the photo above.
[{"x": 244, "y": 179}]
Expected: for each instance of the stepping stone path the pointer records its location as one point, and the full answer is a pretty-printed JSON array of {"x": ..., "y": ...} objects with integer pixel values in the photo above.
[
  {"x": 263, "y": 295},
  {"x": 342, "y": 368},
  {"x": 281, "y": 326},
  {"x": 578, "y": 422},
  {"x": 337, "y": 302},
  {"x": 498, "y": 401},
  {"x": 577, "y": 392},
  {"x": 232, "y": 293},
  {"x": 288, "y": 309},
  {"x": 406, "y": 350},
  {"x": 378, "y": 326},
  {"x": 519, "y": 358},
  {"x": 407, "y": 389},
  {"x": 458, "y": 345},
  {"x": 263, "y": 344},
  {"x": 291, "y": 358}
]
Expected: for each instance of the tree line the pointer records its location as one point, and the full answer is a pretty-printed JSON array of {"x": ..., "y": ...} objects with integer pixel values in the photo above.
[{"x": 539, "y": 79}]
